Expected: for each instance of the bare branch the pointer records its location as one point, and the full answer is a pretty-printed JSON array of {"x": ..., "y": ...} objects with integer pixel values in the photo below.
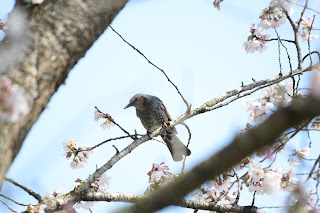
[
  {"x": 107, "y": 116},
  {"x": 108, "y": 140},
  {"x": 307, "y": 7},
  {"x": 84, "y": 187},
  {"x": 241, "y": 146},
  {"x": 295, "y": 30},
  {"x": 189, "y": 139},
  {"x": 7, "y": 206},
  {"x": 276, "y": 39},
  {"x": 314, "y": 166},
  {"x": 29, "y": 191},
  {"x": 184, "y": 100},
  {"x": 309, "y": 39},
  {"x": 47, "y": 57},
  {"x": 130, "y": 198},
  {"x": 21, "y": 204}
]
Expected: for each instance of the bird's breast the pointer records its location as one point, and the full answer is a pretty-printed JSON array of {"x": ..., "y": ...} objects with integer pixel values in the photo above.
[{"x": 152, "y": 118}]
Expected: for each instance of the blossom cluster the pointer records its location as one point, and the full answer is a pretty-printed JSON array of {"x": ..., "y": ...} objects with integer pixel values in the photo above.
[
  {"x": 270, "y": 17},
  {"x": 267, "y": 181},
  {"x": 13, "y": 103},
  {"x": 109, "y": 120},
  {"x": 305, "y": 31},
  {"x": 275, "y": 95},
  {"x": 273, "y": 17},
  {"x": 217, "y": 191},
  {"x": 57, "y": 192},
  {"x": 159, "y": 175},
  {"x": 316, "y": 124},
  {"x": 36, "y": 209},
  {"x": 100, "y": 185},
  {"x": 256, "y": 41},
  {"x": 79, "y": 155}
]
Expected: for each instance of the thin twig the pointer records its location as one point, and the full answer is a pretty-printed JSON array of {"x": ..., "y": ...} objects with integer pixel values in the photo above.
[
  {"x": 108, "y": 140},
  {"x": 302, "y": 13},
  {"x": 276, "y": 39},
  {"x": 29, "y": 191},
  {"x": 314, "y": 166},
  {"x": 189, "y": 131},
  {"x": 288, "y": 55},
  {"x": 21, "y": 204},
  {"x": 184, "y": 100},
  {"x": 309, "y": 39},
  {"x": 113, "y": 121},
  {"x": 311, "y": 54},
  {"x": 279, "y": 49},
  {"x": 253, "y": 198},
  {"x": 295, "y": 30},
  {"x": 238, "y": 180},
  {"x": 307, "y": 8},
  {"x": 117, "y": 150},
  {"x": 7, "y": 206}
]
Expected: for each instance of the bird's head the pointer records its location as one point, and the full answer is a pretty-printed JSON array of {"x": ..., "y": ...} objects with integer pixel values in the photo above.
[{"x": 138, "y": 101}]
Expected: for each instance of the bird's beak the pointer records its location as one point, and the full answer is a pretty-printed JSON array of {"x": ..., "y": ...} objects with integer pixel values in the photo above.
[{"x": 129, "y": 105}]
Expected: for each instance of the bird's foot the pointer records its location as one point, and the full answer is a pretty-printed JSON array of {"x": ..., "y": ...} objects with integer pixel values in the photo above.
[
  {"x": 165, "y": 125},
  {"x": 149, "y": 133}
]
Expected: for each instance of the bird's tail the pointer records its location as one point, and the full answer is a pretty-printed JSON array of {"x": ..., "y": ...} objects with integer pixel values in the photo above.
[{"x": 175, "y": 146}]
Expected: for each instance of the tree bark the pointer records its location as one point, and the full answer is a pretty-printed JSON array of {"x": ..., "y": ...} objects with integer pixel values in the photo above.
[{"x": 58, "y": 34}]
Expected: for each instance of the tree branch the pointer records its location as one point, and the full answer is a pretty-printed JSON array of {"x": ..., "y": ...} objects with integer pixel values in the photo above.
[
  {"x": 239, "y": 148},
  {"x": 84, "y": 187},
  {"x": 58, "y": 34},
  {"x": 130, "y": 198},
  {"x": 163, "y": 72},
  {"x": 29, "y": 191}
]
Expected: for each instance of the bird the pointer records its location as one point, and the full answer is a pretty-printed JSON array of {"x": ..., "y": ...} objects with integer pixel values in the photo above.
[{"x": 153, "y": 114}]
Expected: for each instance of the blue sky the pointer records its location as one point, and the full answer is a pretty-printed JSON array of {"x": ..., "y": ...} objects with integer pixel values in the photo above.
[{"x": 200, "y": 49}]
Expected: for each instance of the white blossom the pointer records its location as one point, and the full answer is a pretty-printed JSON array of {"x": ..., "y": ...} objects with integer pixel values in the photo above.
[{"x": 104, "y": 183}]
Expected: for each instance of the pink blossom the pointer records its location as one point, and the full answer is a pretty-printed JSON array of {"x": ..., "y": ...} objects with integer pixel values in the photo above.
[
  {"x": 306, "y": 29},
  {"x": 84, "y": 205},
  {"x": 274, "y": 16},
  {"x": 303, "y": 153},
  {"x": 80, "y": 154},
  {"x": 159, "y": 176},
  {"x": 104, "y": 183},
  {"x": 97, "y": 115},
  {"x": 255, "y": 171}
]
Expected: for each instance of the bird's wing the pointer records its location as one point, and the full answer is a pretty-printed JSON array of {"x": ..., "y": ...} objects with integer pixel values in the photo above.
[
  {"x": 165, "y": 111},
  {"x": 168, "y": 116}
]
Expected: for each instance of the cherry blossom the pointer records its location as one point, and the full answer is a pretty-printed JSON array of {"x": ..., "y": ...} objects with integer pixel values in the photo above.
[
  {"x": 103, "y": 183},
  {"x": 100, "y": 185},
  {"x": 256, "y": 41},
  {"x": 106, "y": 124},
  {"x": 304, "y": 32},
  {"x": 303, "y": 153},
  {"x": 84, "y": 205},
  {"x": 159, "y": 175},
  {"x": 316, "y": 124},
  {"x": 36, "y": 209},
  {"x": 274, "y": 16},
  {"x": 80, "y": 155},
  {"x": 275, "y": 95}
]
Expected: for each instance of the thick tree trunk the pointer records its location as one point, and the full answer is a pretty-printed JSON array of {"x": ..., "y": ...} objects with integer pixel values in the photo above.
[{"x": 58, "y": 34}]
